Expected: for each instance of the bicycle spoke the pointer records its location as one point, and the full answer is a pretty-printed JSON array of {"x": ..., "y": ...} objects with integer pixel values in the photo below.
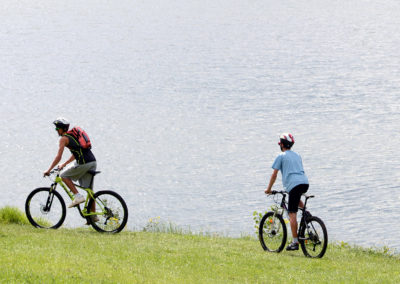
[
  {"x": 315, "y": 238},
  {"x": 111, "y": 212},
  {"x": 45, "y": 209},
  {"x": 272, "y": 232}
]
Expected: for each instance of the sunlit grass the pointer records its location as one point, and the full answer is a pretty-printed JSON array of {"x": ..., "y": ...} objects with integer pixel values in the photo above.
[
  {"x": 31, "y": 255},
  {"x": 157, "y": 225},
  {"x": 12, "y": 215},
  {"x": 43, "y": 222}
]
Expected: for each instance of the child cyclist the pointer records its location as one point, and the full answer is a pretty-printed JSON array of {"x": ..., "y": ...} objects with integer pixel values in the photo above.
[{"x": 294, "y": 181}]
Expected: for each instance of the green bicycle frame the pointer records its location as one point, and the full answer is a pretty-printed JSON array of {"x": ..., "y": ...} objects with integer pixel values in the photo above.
[{"x": 90, "y": 194}]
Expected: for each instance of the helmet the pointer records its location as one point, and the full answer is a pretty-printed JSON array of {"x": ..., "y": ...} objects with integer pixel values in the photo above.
[
  {"x": 61, "y": 123},
  {"x": 286, "y": 140}
]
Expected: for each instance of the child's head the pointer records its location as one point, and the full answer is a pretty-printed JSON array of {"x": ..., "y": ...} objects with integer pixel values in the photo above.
[{"x": 286, "y": 141}]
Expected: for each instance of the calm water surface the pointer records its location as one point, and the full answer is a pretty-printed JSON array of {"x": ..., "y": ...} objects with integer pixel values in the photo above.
[{"x": 185, "y": 100}]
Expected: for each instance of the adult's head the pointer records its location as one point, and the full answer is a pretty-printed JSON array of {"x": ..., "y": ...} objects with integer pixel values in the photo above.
[
  {"x": 62, "y": 125},
  {"x": 286, "y": 141}
]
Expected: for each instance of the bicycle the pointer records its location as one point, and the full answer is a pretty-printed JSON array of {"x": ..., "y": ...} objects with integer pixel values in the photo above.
[
  {"x": 45, "y": 207},
  {"x": 312, "y": 233}
]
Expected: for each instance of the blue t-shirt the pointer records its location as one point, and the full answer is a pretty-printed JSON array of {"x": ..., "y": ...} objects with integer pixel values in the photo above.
[{"x": 291, "y": 167}]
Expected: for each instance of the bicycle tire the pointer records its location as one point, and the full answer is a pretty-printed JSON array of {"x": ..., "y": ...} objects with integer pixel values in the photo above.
[
  {"x": 116, "y": 215},
  {"x": 272, "y": 232},
  {"x": 40, "y": 216},
  {"x": 313, "y": 236}
]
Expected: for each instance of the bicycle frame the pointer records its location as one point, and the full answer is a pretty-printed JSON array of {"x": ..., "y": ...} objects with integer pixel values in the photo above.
[
  {"x": 90, "y": 195},
  {"x": 283, "y": 208}
]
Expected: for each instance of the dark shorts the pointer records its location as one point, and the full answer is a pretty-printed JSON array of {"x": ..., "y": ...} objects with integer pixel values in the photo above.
[{"x": 294, "y": 197}]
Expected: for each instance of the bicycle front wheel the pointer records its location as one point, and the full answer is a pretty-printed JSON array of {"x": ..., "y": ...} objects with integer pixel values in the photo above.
[
  {"x": 45, "y": 209},
  {"x": 111, "y": 212},
  {"x": 272, "y": 232},
  {"x": 314, "y": 238}
]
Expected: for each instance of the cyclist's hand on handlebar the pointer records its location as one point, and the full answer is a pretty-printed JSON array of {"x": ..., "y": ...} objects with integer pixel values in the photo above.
[
  {"x": 268, "y": 192},
  {"x": 60, "y": 167},
  {"x": 50, "y": 172}
]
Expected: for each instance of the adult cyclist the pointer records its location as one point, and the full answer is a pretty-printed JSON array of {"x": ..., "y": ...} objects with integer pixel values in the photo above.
[
  {"x": 84, "y": 161},
  {"x": 294, "y": 181}
]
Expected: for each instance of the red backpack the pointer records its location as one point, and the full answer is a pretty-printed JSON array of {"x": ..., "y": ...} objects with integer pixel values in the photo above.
[{"x": 81, "y": 137}]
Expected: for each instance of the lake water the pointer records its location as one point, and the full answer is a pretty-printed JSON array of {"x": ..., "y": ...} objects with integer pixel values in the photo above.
[{"x": 185, "y": 100}]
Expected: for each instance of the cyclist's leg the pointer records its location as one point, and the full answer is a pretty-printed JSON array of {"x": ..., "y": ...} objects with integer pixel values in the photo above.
[
  {"x": 293, "y": 223},
  {"x": 294, "y": 245},
  {"x": 86, "y": 179},
  {"x": 304, "y": 190},
  {"x": 294, "y": 203},
  {"x": 72, "y": 173},
  {"x": 80, "y": 173},
  {"x": 75, "y": 173},
  {"x": 70, "y": 185}
]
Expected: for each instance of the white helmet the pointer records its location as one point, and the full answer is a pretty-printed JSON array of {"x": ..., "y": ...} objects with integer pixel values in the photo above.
[
  {"x": 62, "y": 123},
  {"x": 286, "y": 140}
]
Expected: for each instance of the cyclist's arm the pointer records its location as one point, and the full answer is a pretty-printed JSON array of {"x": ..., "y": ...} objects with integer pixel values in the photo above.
[
  {"x": 57, "y": 159},
  {"x": 72, "y": 158},
  {"x": 271, "y": 181}
]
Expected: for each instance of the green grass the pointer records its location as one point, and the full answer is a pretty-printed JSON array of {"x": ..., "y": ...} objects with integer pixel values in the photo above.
[
  {"x": 12, "y": 215},
  {"x": 30, "y": 255}
]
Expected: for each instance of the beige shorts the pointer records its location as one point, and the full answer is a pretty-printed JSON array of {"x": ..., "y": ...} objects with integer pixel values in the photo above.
[{"x": 80, "y": 173}]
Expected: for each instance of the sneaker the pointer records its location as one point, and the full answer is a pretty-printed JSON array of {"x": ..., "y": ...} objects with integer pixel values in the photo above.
[
  {"x": 77, "y": 200},
  {"x": 293, "y": 246},
  {"x": 94, "y": 220}
]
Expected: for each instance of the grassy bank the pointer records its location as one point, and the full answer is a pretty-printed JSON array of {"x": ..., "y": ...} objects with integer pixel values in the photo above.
[{"x": 29, "y": 255}]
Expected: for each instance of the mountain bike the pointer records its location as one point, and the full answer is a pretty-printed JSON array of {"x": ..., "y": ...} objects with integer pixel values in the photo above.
[
  {"x": 105, "y": 211},
  {"x": 312, "y": 233}
]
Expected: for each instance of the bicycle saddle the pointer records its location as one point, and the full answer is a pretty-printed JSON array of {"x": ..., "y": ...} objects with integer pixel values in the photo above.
[
  {"x": 93, "y": 173},
  {"x": 308, "y": 196}
]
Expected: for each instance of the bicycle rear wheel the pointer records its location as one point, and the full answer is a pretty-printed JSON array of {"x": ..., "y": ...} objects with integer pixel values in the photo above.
[
  {"x": 272, "y": 232},
  {"x": 45, "y": 209},
  {"x": 314, "y": 238},
  {"x": 111, "y": 212}
]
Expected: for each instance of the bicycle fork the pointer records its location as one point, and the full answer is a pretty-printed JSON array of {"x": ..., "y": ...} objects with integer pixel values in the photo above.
[
  {"x": 50, "y": 198},
  {"x": 274, "y": 221}
]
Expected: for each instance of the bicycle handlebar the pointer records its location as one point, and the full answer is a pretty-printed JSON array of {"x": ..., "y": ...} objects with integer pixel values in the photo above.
[
  {"x": 278, "y": 192},
  {"x": 55, "y": 171},
  {"x": 286, "y": 193}
]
